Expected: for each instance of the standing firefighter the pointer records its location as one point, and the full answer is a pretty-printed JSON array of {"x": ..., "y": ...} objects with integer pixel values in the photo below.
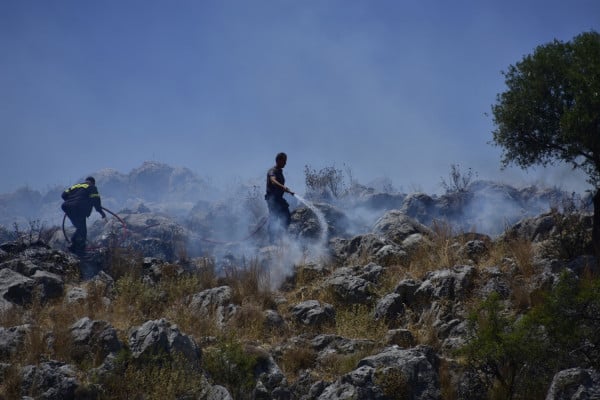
[
  {"x": 279, "y": 209},
  {"x": 78, "y": 202}
]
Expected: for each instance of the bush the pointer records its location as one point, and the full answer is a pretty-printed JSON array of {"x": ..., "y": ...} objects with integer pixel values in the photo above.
[
  {"x": 458, "y": 181},
  {"x": 520, "y": 355},
  {"x": 157, "y": 377},
  {"x": 230, "y": 366},
  {"x": 326, "y": 183}
]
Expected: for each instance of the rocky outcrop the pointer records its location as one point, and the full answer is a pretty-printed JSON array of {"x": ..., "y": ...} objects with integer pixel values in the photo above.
[
  {"x": 11, "y": 340},
  {"x": 161, "y": 338},
  {"x": 214, "y": 303},
  {"x": 354, "y": 285},
  {"x": 93, "y": 339},
  {"x": 368, "y": 247},
  {"x": 50, "y": 380},
  {"x": 394, "y": 372},
  {"x": 313, "y": 313}
]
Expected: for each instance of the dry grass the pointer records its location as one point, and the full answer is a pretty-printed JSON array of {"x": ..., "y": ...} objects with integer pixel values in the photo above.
[
  {"x": 422, "y": 328},
  {"x": 296, "y": 359},
  {"x": 133, "y": 301},
  {"x": 440, "y": 251},
  {"x": 10, "y": 384},
  {"x": 357, "y": 322},
  {"x": 392, "y": 275},
  {"x": 334, "y": 365},
  {"x": 249, "y": 322},
  {"x": 521, "y": 252},
  {"x": 250, "y": 283},
  {"x": 447, "y": 386}
]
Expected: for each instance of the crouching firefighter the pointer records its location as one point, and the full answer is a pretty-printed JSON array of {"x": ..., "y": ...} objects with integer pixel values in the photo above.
[
  {"x": 279, "y": 211},
  {"x": 78, "y": 202}
]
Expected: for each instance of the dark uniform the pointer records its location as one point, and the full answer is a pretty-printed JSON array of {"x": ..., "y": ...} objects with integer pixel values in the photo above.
[
  {"x": 279, "y": 209},
  {"x": 79, "y": 200}
]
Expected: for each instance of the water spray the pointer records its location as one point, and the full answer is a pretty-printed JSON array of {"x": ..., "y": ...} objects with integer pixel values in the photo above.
[{"x": 320, "y": 218}]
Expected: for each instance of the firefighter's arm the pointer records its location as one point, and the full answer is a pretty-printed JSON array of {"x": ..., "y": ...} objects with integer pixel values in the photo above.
[
  {"x": 276, "y": 183},
  {"x": 95, "y": 196}
]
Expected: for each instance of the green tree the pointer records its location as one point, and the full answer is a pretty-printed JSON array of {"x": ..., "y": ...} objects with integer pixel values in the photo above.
[{"x": 551, "y": 111}]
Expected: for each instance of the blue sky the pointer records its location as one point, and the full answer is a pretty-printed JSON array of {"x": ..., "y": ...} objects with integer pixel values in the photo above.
[{"x": 395, "y": 89}]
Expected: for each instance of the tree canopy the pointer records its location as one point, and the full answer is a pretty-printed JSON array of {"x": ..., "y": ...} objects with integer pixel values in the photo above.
[{"x": 551, "y": 109}]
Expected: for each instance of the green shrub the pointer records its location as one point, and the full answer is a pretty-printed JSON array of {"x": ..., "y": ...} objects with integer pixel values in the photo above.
[
  {"x": 152, "y": 378},
  {"x": 232, "y": 367},
  {"x": 520, "y": 355},
  {"x": 502, "y": 347}
]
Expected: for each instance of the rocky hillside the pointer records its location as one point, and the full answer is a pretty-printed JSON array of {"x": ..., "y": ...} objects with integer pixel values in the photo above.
[
  {"x": 378, "y": 296},
  {"x": 404, "y": 310}
]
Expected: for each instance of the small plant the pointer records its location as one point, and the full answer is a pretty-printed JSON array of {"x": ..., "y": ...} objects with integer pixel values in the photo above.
[
  {"x": 229, "y": 365},
  {"x": 158, "y": 378},
  {"x": 35, "y": 233},
  {"x": 325, "y": 183},
  {"x": 458, "y": 180}
]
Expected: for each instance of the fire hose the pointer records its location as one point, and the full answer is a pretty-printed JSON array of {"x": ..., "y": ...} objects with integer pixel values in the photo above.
[{"x": 261, "y": 223}]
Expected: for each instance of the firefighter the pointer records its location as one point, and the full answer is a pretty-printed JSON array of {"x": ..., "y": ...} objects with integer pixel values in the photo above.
[
  {"x": 279, "y": 208},
  {"x": 78, "y": 202}
]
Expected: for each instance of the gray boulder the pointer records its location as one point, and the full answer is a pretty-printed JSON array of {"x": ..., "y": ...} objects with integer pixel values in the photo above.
[
  {"x": 305, "y": 224},
  {"x": 389, "y": 308},
  {"x": 354, "y": 285},
  {"x": 215, "y": 302},
  {"x": 95, "y": 339},
  {"x": 11, "y": 340},
  {"x": 535, "y": 229},
  {"x": 369, "y": 247},
  {"x": 575, "y": 384},
  {"x": 51, "y": 285},
  {"x": 397, "y": 226},
  {"x": 218, "y": 392},
  {"x": 418, "y": 366},
  {"x": 393, "y": 373},
  {"x": 160, "y": 337},
  {"x": 451, "y": 284},
  {"x": 313, "y": 313},
  {"x": 50, "y": 380},
  {"x": 15, "y": 288},
  {"x": 339, "y": 344},
  {"x": 27, "y": 259}
]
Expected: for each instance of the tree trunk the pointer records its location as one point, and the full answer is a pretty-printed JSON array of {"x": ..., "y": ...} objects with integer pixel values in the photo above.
[{"x": 596, "y": 227}]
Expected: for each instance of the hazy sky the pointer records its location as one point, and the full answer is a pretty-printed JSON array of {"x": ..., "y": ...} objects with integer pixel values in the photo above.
[{"x": 396, "y": 89}]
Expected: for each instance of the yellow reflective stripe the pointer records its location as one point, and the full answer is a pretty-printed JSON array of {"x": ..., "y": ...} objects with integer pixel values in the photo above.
[
  {"x": 94, "y": 195},
  {"x": 78, "y": 186}
]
